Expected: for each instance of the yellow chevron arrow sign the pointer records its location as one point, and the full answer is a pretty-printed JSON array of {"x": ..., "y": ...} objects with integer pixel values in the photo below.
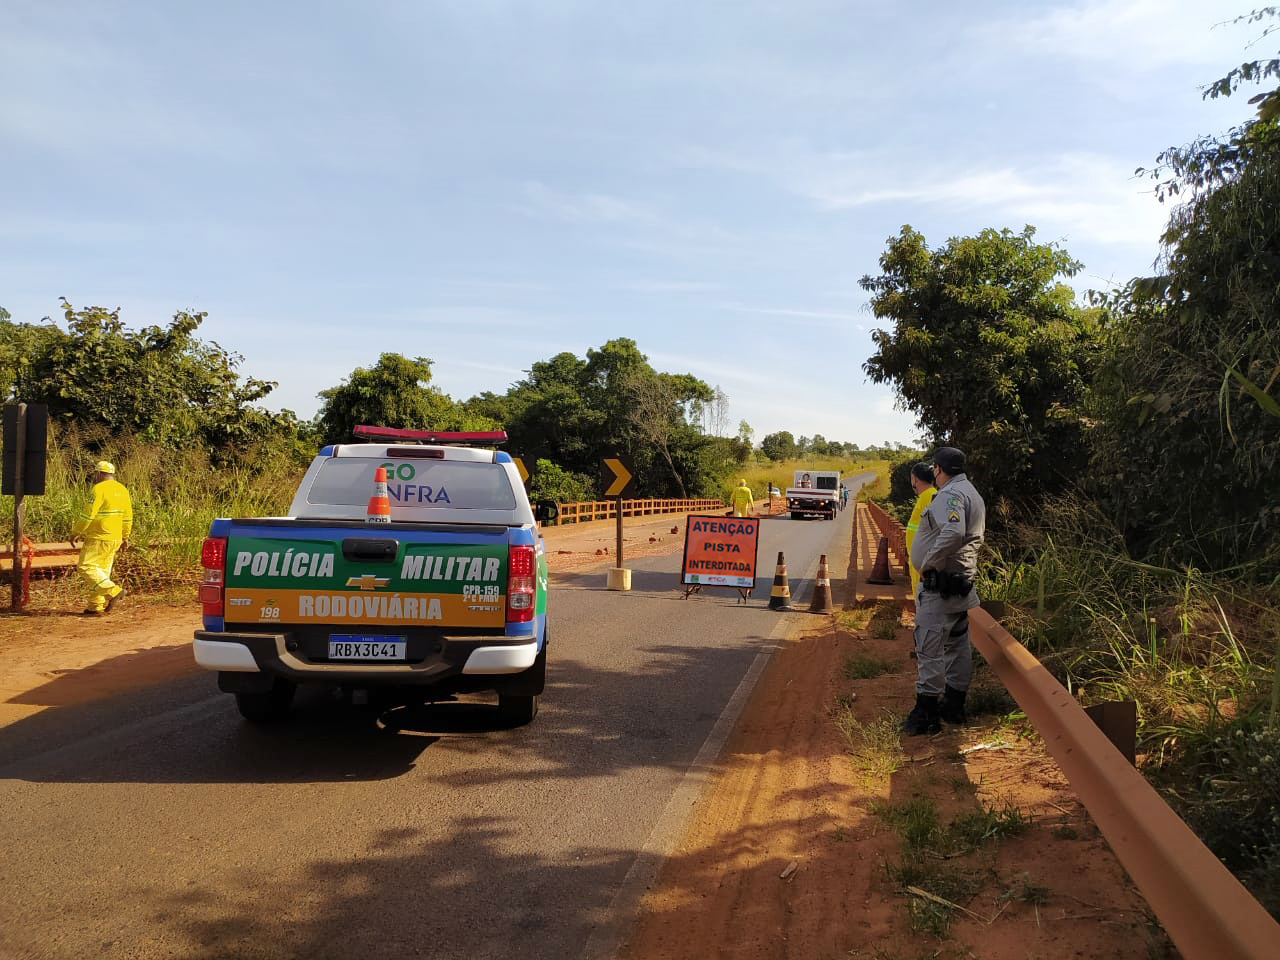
[{"x": 620, "y": 483}]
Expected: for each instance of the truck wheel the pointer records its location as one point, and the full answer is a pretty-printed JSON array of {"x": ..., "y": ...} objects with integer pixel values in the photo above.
[
  {"x": 517, "y": 709},
  {"x": 267, "y": 706},
  {"x": 795, "y": 515}
]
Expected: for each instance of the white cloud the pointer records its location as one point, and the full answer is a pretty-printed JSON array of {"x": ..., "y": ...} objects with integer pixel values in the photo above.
[
  {"x": 671, "y": 286},
  {"x": 1129, "y": 36},
  {"x": 1080, "y": 196},
  {"x": 810, "y": 318},
  {"x": 542, "y": 201}
]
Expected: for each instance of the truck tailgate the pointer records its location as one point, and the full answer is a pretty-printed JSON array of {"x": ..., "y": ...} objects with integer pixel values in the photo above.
[{"x": 357, "y": 576}]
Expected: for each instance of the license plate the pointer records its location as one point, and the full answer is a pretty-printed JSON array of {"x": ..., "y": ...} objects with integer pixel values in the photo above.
[{"x": 365, "y": 647}]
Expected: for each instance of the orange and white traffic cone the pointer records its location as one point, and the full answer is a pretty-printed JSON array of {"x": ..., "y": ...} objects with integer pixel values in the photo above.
[
  {"x": 821, "y": 602},
  {"x": 880, "y": 569},
  {"x": 780, "y": 597},
  {"x": 379, "y": 504}
]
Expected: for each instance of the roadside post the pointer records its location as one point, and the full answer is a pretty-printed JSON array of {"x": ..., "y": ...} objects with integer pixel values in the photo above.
[
  {"x": 720, "y": 552},
  {"x": 26, "y": 435},
  {"x": 616, "y": 477}
]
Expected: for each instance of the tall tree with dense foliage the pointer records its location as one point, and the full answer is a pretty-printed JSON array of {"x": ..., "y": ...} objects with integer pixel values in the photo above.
[
  {"x": 1188, "y": 403},
  {"x": 990, "y": 351},
  {"x": 160, "y": 384},
  {"x": 778, "y": 446},
  {"x": 394, "y": 392},
  {"x": 573, "y": 412}
]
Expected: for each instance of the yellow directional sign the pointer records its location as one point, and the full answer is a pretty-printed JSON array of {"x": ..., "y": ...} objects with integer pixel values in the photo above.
[
  {"x": 616, "y": 477},
  {"x": 520, "y": 469}
]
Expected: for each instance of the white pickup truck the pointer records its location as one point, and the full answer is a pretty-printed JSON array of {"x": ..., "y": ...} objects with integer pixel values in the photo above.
[{"x": 814, "y": 493}]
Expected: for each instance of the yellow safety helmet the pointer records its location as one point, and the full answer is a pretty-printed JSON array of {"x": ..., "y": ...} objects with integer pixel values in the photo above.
[
  {"x": 742, "y": 482},
  {"x": 105, "y": 466}
]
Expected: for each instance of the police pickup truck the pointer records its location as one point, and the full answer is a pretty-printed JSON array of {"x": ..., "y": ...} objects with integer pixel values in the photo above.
[{"x": 446, "y": 594}]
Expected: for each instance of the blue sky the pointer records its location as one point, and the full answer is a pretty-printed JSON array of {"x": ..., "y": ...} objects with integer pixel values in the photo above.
[{"x": 487, "y": 183}]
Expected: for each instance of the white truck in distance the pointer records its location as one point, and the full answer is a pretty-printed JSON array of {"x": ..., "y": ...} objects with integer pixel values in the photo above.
[{"x": 814, "y": 493}]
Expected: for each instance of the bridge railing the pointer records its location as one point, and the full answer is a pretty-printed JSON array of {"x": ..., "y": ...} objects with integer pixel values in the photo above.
[
  {"x": 892, "y": 530},
  {"x": 608, "y": 509}
]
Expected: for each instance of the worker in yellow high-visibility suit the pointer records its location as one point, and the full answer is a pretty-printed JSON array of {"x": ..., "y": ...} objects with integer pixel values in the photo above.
[
  {"x": 922, "y": 484},
  {"x": 104, "y": 525},
  {"x": 742, "y": 500}
]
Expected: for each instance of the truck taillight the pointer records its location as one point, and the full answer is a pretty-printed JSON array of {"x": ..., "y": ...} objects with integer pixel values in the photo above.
[
  {"x": 213, "y": 557},
  {"x": 520, "y": 584}
]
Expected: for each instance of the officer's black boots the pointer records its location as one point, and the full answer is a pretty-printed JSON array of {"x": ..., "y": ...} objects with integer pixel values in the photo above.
[
  {"x": 924, "y": 718},
  {"x": 952, "y": 707}
]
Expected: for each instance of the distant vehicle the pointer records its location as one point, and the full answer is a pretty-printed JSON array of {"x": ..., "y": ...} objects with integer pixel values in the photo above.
[
  {"x": 448, "y": 593},
  {"x": 814, "y": 493}
]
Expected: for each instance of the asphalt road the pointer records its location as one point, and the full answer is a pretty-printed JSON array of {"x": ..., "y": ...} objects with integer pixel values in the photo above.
[{"x": 160, "y": 825}]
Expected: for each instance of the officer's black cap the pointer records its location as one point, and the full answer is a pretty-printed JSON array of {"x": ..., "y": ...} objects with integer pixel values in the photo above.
[{"x": 949, "y": 460}]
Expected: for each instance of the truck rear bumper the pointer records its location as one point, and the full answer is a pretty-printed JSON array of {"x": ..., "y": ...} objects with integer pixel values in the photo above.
[
  {"x": 272, "y": 653},
  {"x": 500, "y": 660},
  {"x": 224, "y": 655}
]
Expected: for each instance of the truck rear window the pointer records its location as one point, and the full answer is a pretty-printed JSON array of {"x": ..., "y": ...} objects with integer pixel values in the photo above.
[{"x": 456, "y": 484}]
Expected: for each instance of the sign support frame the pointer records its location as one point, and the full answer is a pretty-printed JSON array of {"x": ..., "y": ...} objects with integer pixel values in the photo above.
[{"x": 19, "y": 508}]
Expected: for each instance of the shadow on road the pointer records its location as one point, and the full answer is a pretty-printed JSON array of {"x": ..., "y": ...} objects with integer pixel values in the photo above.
[{"x": 188, "y": 733}]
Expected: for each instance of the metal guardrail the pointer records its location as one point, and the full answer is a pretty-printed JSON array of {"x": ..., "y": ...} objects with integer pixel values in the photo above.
[
  {"x": 608, "y": 509},
  {"x": 1207, "y": 912}
]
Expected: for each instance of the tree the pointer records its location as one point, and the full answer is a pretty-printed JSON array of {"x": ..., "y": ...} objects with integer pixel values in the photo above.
[
  {"x": 160, "y": 384},
  {"x": 394, "y": 392},
  {"x": 990, "y": 351},
  {"x": 1187, "y": 398},
  {"x": 574, "y": 412},
  {"x": 652, "y": 407},
  {"x": 551, "y": 482},
  {"x": 719, "y": 412},
  {"x": 778, "y": 446}
]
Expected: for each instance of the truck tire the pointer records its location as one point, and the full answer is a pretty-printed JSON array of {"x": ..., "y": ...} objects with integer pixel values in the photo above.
[
  {"x": 267, "y": 706},
  {"x": 795, "y": 515},
  {"x": 518, "y": 697},
  {"x": 517, "y": 709}
]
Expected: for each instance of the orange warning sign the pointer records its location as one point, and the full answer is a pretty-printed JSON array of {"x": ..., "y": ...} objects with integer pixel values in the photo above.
[{"x": 720, "y": 551}]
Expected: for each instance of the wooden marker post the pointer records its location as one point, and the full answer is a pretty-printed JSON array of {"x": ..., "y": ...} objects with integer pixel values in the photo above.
[{"x": 615, "y": 480}]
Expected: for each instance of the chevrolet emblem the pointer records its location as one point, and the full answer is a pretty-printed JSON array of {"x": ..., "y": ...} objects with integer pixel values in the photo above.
[{"x": 368, "y": 582}]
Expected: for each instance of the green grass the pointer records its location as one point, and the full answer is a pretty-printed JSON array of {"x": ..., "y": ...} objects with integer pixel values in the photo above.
[
  {"x": 1196, "y": 651},
  {"x": 865, "y": 666},
  {"x": 933, "y": 857},
  {"x": 883, "y": 629},
  {"x": 175, "y": 495},
  {"x": 950, "y": 881},
  {"x": 1024, "y": 890},
  {"x": 985, "y": 825},
  {"x": 853, "y": 620},
  {"x": 875, "y": 747}
]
